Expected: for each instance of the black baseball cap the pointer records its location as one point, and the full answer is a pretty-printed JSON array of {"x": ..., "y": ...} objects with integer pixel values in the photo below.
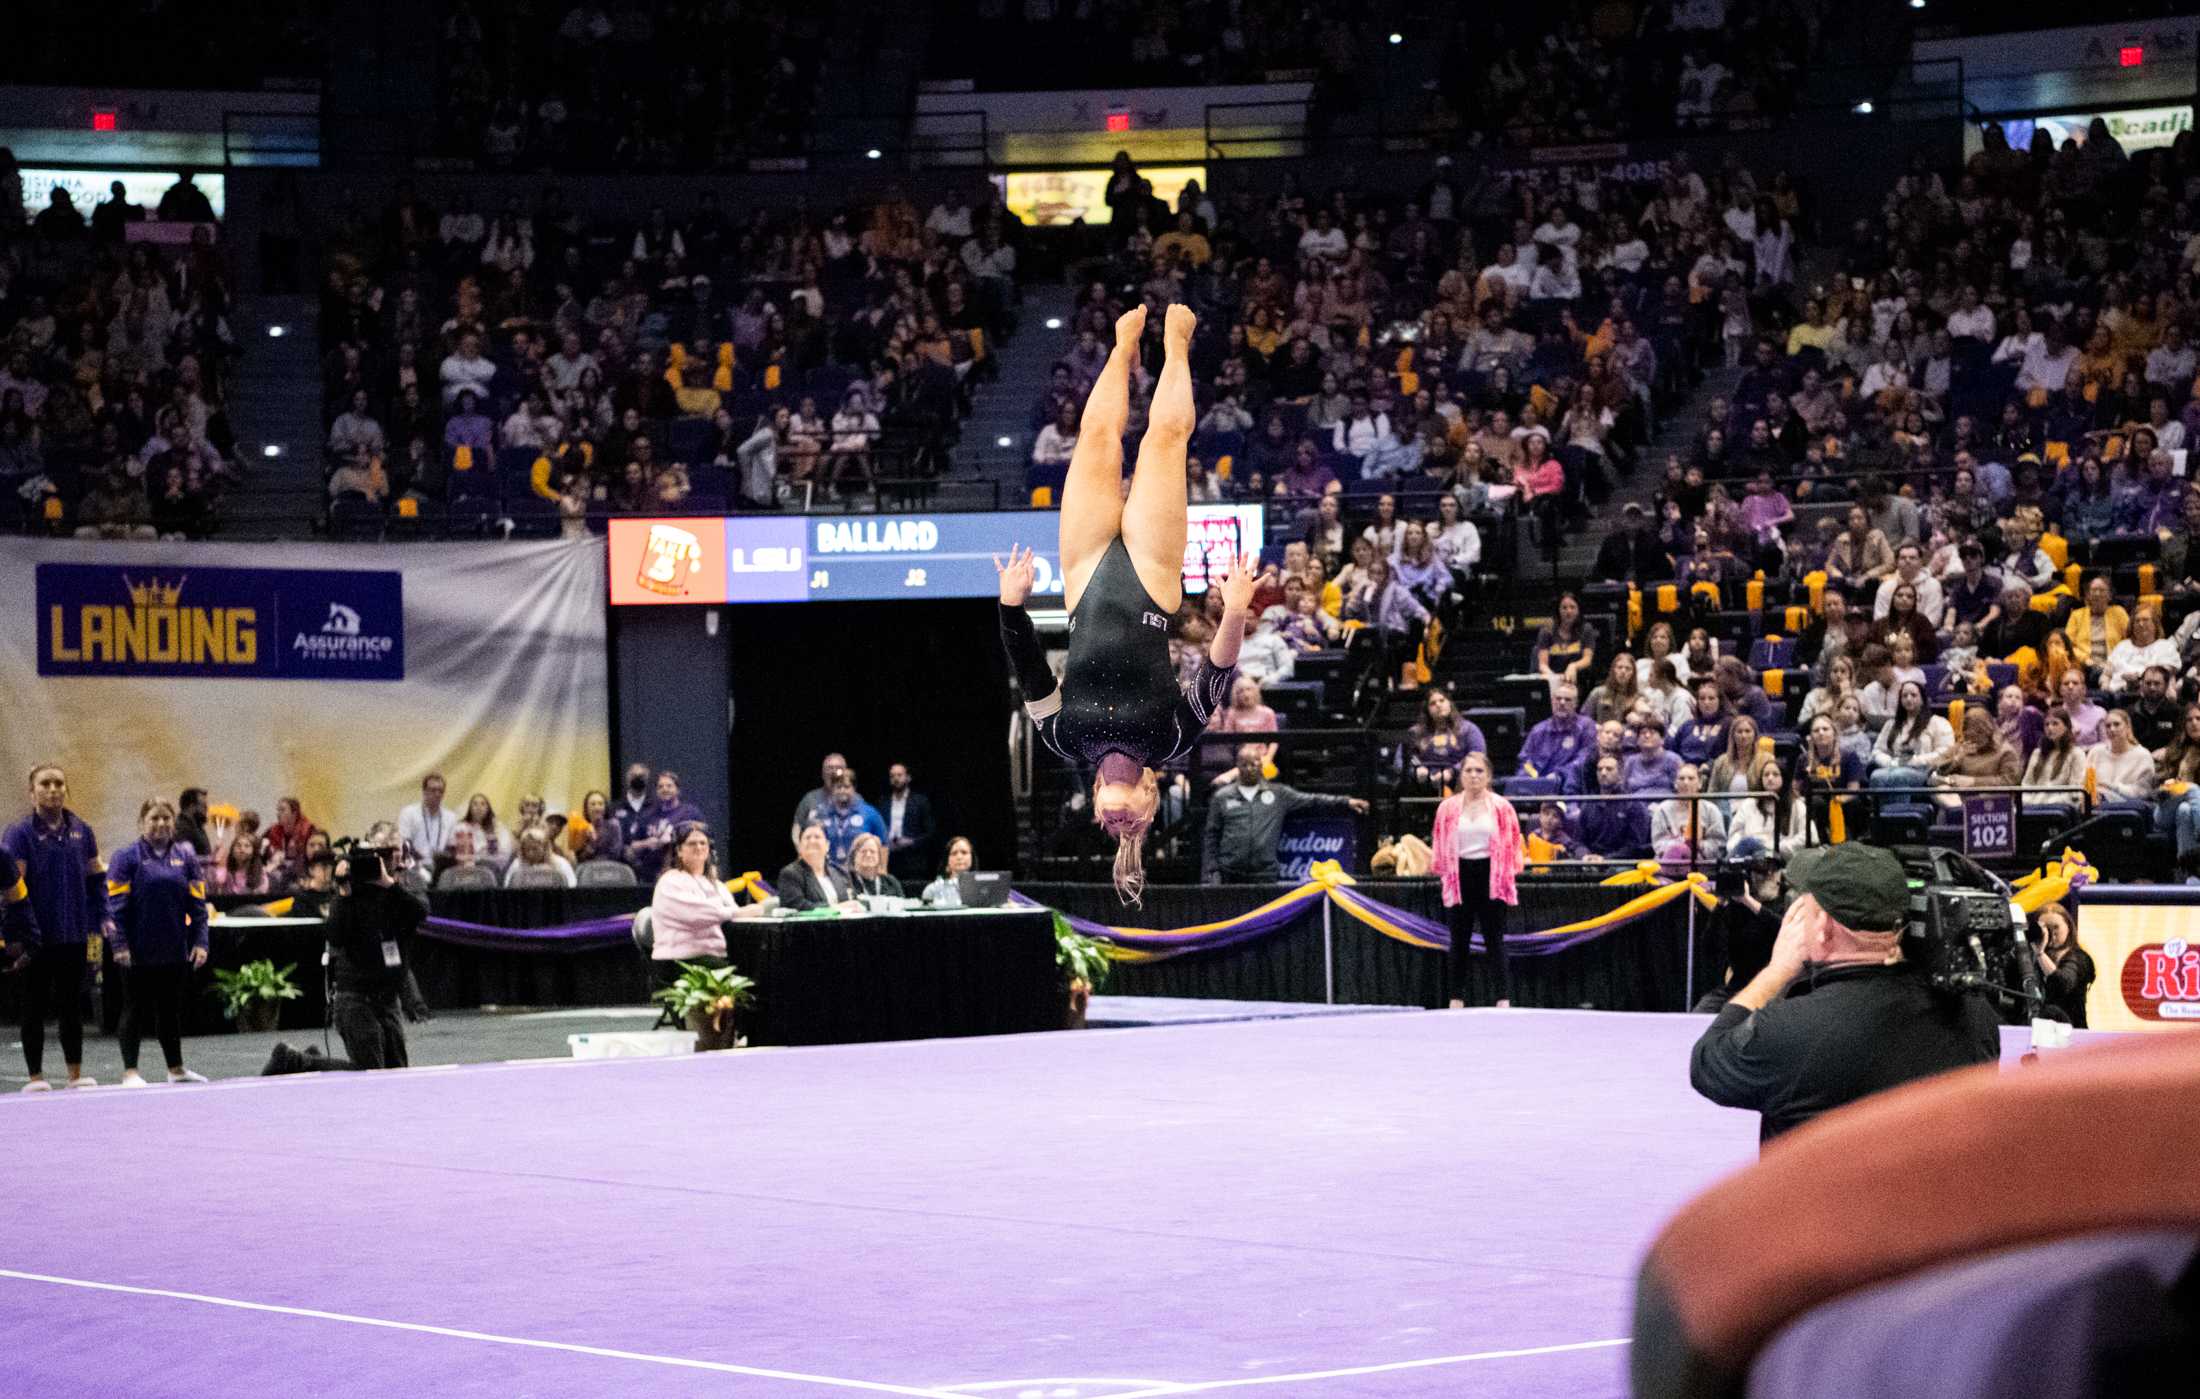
[{"x": 1862, "y": 886}]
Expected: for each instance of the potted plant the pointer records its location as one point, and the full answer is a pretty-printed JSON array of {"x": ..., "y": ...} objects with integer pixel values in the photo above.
[
  {"x": 253, "y": 994},
  {"x": 707, "y": 998},
  {"x": 1084, "y": 964}
]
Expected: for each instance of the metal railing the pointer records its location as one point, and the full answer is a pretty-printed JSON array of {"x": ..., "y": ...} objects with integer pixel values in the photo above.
[
  {"x": 1289, "y": 132},
  {"x": 271, "y": 138},
  {"x": 2073, "y": 804},
  {"x": 928, "y": 150}
]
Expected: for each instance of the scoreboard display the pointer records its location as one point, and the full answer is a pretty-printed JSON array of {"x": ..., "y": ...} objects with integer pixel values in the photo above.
[{"x": 872, "y": 558}]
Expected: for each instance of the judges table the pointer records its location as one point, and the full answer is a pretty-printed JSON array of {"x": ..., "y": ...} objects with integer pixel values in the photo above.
[{"x": 898, "y": 976}]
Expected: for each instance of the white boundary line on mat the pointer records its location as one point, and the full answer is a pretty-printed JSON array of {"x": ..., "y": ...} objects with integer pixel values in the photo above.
[
  {"x": 1202, "y": 1386},
  {"x": 673, "y": 1361}
]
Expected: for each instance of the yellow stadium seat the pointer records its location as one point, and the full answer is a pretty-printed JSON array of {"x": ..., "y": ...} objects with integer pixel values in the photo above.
[
  {"x": 408, "y": 507},
  {"x": 1042, "y": 497}
]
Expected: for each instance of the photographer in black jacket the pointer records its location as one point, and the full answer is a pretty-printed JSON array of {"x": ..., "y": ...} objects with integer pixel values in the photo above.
[
  {"x": 1837, "y": 1014},
  {"x": 369, "y": 924}
]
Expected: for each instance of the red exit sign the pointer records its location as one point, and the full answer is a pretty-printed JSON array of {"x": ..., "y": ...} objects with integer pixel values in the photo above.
[
  {"x": 1119, "y": 121},
  {"x": 103, "y": 121},
  {"x": 2130, "y": 56}
]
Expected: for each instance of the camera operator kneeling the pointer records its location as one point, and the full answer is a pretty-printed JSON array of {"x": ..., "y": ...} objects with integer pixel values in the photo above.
[
  {"x": 1837, "y": 1014},
  {"x": 368, "y": 925}
]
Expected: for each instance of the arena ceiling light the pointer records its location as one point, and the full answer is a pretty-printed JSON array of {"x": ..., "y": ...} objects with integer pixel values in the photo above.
[
  {"x": 1004, "y": 441},
  {"x": 1054, "y": 323},
  {"x": 1397, "y": 38},
  {"x": 271, "y": 450},
  {"x": 276, "y": 332},
  {"x": 1862, "y": 109},
  {"x": 871, "y": 154}
]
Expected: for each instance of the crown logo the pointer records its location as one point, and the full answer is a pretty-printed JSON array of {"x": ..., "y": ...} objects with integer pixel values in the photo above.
[{"x": 154, "y": 592}]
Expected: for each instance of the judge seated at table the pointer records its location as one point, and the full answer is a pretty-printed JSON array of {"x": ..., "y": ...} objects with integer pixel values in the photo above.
[{"x": 808, "y": 881}]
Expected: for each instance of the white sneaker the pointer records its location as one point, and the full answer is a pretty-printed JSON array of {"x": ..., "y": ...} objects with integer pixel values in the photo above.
[
  {"x": 37, "y": 1085},
  {"x": 134, "y": 1079},
  {"x": 84, "y": 1081},
  {"x": 186, "y": 1076}
]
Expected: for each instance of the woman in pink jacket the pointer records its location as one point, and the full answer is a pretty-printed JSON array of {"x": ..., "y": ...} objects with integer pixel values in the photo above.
[
  {"x": 689, "y": 905},
  {"x": 1479, "y": 852}
]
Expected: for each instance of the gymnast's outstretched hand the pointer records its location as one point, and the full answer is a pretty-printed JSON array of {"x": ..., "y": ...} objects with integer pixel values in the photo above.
[
  {"x": 1017, "y": 575},
  {"x": 1238, "y": 585}
]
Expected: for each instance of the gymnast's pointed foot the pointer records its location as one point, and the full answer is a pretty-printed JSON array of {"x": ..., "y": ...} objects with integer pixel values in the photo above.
[
  {"x": 1129, "y": 327},
  {"x": 1177, "y": 327}
]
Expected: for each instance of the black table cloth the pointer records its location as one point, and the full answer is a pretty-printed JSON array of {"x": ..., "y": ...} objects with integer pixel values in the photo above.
[{"x": 841, "y": 981}]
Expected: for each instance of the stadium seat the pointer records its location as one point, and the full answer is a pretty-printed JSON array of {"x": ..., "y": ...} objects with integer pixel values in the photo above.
[
  {"x": 466, "y": 877},
  {"x": 605, "y": 874}
]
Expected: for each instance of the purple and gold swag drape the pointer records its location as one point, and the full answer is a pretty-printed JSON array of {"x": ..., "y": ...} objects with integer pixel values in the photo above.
[{"x": 1327, "y": 880}]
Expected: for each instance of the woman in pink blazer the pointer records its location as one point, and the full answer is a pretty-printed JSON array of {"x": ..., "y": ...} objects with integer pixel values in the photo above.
[{"x": 1479, "y": 852}]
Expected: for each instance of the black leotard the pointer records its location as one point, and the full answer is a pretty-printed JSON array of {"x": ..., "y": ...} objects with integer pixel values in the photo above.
[{"x": 1119, "y": 692}]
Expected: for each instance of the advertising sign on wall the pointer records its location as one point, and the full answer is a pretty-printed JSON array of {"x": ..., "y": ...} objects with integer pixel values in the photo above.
[
  {"x": 143, "y": 669},
  {"x": 2145, "y": 945},
  {"x": 221, "y": 623},
  {"x": 2135, "y": 129},
  {"x": 1313, "y": 836},
  {"x": 1052, "y": 198}
]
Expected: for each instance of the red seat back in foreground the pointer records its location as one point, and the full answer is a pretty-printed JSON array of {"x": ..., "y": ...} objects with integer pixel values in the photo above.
[{"x": 1947, "y": 1169}]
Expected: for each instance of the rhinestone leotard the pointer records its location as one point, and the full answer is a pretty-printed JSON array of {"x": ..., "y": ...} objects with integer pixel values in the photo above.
[{"x": 1119, "y": 692}]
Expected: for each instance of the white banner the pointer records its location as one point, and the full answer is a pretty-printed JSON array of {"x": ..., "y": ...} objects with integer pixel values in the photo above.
[{"x": 147, "y": 668}]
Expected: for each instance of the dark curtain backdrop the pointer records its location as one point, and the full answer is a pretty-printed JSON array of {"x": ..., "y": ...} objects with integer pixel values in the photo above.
[
  {"x": 922, "y": 683},
  {"x": 1640, "y": 967}
]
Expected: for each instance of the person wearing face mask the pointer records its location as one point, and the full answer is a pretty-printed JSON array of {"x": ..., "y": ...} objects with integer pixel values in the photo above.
[
  {"x": 1245, "y": 822},
  {"x": 629, "y": 813},
  {"x": 652, "y": 832},
  {"x": 156, "y": 897},
  {"x": 1837, "y": 1013},
  {"x": 1479, "y": 853}
]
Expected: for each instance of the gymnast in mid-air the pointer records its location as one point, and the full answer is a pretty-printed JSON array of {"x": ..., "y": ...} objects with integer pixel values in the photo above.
[{"x": 1119, "y": 707}]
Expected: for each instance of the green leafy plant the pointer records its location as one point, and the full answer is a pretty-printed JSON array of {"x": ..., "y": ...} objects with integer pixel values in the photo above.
[
  {"x": 713, "y": 991},
  {"x": 254, "y": 982},
  {"x": 1080, "y": 958}
]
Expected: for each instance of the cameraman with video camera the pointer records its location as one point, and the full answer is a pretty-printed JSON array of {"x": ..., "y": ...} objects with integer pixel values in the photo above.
[
  {"x": 1838, "y": 1013},
  {"x": 369, "y": 923}
]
